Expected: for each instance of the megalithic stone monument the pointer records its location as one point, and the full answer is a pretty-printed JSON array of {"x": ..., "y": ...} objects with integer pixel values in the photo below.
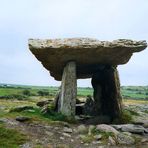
[{"x": 78, "y": 58}]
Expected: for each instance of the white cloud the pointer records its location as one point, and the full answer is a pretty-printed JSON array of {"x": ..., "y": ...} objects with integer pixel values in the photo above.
[{"x": 105, "y": 20}]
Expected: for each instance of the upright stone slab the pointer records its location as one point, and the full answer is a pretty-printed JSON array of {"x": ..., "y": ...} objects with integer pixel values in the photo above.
[
  {"x": 68, "y": 90},
  {"x": 107, "y": 97}
]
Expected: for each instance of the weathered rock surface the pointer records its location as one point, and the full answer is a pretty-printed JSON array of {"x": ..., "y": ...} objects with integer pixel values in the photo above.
[
  {"x": 82, "y": 129},
  {"x": 138, "y": 129},
  {"x": 67, "y": 99},
  {"x": 67, "y": 130},
  {"x": 86, "y": 52},
  {"x": 43, "y": 103},
  {"x": 111, "y": 141},
  {"x": 125, "y": 139},
  {"x": 106, "y": 128},
  {"x": 22, "y": 118}
]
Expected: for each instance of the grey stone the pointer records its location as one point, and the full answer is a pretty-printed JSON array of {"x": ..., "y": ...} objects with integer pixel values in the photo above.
[
  {"x": 146, "y": 130},
  {"x": 111, "y": 141},
  {"x": 49, "y": 133},
  {"x": 145, "y": 124},
  {"x": 127, "y": 133},
  {"x": 67, "y": 130},
  {"x": 86, "y": 52},
  {"x": 138, "y": 129},
  {"x": 82, "y": 136},
  {"x": 90, "y": 129},
  {"x": 98, "y": 137},
  {"x": 101, "y": 119},
  {"x": 106, "y": 128},
  {"x": 125, "y": 139},
  {"x": 45, "y": 109},
  {"x": 66, "y": 135},
  {"x": 22, "y": 118},
  {"x": 89, "y": 106},
  {"x": 117, "y": 127},
  {"x": 68, "y": 90},
  {"x": 27, "y": 145},
  {"x": 62, "y": 138},
  {"x": 62, "y": 146},
  {"x": 9, "y": 121},
  {"x": 43, "y": 103},
  {"x": 144, "y": 140},
  {"x": 2, "y": 120},
  {"x": 82, "y": 129}
]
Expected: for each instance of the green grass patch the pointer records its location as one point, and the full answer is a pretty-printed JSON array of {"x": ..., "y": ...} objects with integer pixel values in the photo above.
[
  {"x": 128, "y": 92},
  {"x": 125, "y": 117},
  {"x": 10, "y": 138},
  {"x": 87, "y": 138},
  {"x": 37, "y": 116}
]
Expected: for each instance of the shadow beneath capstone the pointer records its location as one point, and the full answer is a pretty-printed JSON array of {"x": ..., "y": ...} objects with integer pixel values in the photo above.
[{"x": 85, "y": 113}]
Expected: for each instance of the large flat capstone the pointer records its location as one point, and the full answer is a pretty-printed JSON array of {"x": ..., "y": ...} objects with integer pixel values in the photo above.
[{"x": 86, "y": 52}]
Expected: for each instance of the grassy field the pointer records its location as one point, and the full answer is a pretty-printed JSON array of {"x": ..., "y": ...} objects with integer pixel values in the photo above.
[
  {"x": 14, "y": 96},
  {"x": 128, "y": 92}
]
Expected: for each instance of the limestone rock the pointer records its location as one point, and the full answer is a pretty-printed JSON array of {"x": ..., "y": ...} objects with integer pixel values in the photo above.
[
  {"x": 98, "y": 137},
  {"x": 86, "y": 52},
  {"x": 90, "y": 129},
  {"x": 124, "y": 139},
  {"x": 98, "y": 120},
  {"x": 117, "y": 127},
  {"x": 145, "y": 124},
  {"x": 43, "y": 103},
  {"x": 89, "y": 106},
  {"x": 67, "y": 130},
  {"x": 62, "y": 146},
  {"x": 111, "y": 141},
  {"x": 45, "y": 109},
  {"x": 144, "y": 140},
  {"x": 82, "y": 129},
  {"x": 68, "y": 90},
  {"x": 106, "y": 128},
  {"x": 133, "y": 128},
  {"x": 66, "y": 135},
  {"x": 22, "y": 118}
]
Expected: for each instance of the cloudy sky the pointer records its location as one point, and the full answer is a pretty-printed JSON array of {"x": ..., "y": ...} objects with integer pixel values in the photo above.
[{"x": 101, "y": 19}]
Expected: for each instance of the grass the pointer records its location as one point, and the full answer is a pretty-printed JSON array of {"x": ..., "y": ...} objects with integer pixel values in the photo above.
[
  {"x": 135, "y": 92},
  {"x": 35, "y": 114},
  {"x": 132, "y": 102},
  {"x": 125, "y": 117},
  {"x": 10, "y": 138},
  {"x": 52, "y": 116},
  {"x": 128, "y": 92},
  {"x": 87, "y": 138},
  {"x": 90, "y": 138}
]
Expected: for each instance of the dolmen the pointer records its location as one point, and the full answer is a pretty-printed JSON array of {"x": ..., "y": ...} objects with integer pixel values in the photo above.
[{"x": 78, "y": 58}]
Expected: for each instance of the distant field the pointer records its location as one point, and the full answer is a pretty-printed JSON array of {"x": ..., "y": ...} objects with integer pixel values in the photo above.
[
  {"x": 128, "y": 92},
  {"x": 135, "y": 92}
]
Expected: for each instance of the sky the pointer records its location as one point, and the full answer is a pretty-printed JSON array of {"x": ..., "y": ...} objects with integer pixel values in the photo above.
[{"x": 47, "y": 19}]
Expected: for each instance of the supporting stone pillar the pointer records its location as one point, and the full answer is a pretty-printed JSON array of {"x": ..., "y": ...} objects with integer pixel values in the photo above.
[
  {"x": 107, "y": 95},
  {"x": 68, "y": 90}
]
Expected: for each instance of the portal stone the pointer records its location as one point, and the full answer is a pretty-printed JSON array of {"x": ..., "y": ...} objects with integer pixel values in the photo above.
[
  {"x": 107, "y": 95},
  {"x": 68, "y": 90}
]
